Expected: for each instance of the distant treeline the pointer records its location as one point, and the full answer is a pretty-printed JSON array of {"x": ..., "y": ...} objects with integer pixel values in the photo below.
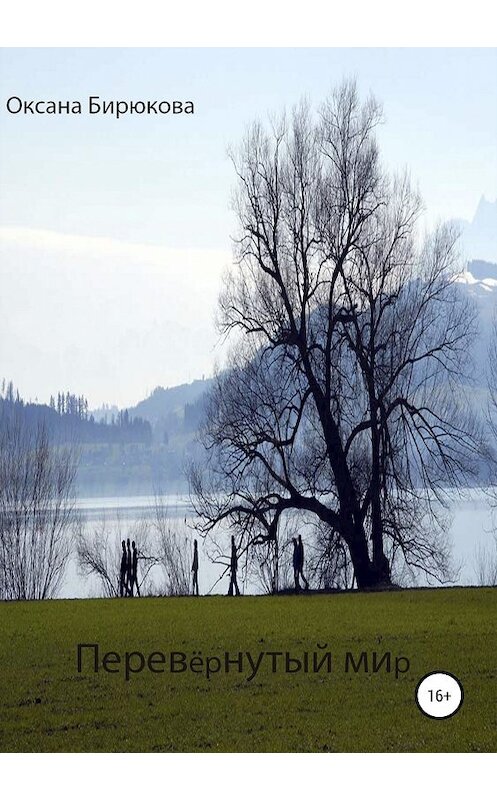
[{"x": 67, "y": 418}]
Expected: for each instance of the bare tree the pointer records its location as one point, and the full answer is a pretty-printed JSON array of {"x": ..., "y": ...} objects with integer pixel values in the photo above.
[
  {"x": 36, "y": 510},
  {"x": 164, "y": 547},
  {"x": 485, "y": 563},
  {"x": 174, "y": 550},
  {"x": 269, "y": 560},
  {"x": 331, "y": 563},
  {"x": 342, "y": 397},
  {"x": 99, "y": 552}
]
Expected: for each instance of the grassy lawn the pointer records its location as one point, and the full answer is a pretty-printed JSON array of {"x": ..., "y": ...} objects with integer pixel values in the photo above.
[{"x": 45, "y": 705}]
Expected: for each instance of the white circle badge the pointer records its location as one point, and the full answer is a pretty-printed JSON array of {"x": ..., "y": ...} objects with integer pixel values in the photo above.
[{"x": 439, "y": 695}]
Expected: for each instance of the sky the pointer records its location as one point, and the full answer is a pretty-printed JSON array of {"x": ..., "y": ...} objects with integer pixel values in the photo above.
[{"x": 114, "y": 234}]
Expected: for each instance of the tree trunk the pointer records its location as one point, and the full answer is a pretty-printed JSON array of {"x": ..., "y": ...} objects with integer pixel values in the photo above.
[
  {"x": 380, "y": 562},
  {"x": 368, "y": 574}
]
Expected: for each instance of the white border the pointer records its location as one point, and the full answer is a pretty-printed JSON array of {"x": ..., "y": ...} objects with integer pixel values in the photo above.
[
  {"x": 266, "y": 23},
  {"x": 249, "y": 776},
  {"x": 98, "y": 23}
]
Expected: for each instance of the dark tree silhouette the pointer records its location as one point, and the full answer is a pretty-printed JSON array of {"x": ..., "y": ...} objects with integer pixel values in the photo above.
[{"x": 349, "y": 338}]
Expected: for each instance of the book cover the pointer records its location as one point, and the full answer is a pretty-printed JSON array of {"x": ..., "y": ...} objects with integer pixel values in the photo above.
[{"x": 248, "y": 409}]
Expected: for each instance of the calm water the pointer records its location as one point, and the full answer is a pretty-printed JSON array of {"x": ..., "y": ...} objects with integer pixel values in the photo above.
[
  {"x": 122, "y": 516},
  {"x": 472, "y": 525}
]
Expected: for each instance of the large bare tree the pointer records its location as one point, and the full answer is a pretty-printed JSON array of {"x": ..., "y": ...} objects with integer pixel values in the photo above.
[{"x": 342, "y": 397}]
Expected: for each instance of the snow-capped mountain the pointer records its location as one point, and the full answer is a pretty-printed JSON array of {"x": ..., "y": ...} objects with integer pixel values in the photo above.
[{"x": 479, "y": 237}]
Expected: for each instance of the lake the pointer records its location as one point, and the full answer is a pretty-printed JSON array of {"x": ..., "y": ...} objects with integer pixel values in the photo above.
[{"x": 472, "y": 527}]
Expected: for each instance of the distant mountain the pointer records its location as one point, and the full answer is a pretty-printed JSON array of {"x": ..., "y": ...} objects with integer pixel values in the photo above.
[
  {"x": 482, "y": 270},
  {"x": 117, "y": 459},
  {"x": 164, "y": 402},
  {"x": 479, "y": 282},
  {"x": 479, "y": 237},
  {"x": 175, "y": 413}
]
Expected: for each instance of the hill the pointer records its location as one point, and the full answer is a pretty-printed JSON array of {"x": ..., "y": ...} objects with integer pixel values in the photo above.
[
  {"x": 164, "y": 402},
  {"x": 136, "y": 450}
]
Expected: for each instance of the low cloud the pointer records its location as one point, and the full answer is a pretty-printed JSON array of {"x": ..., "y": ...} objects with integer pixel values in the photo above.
[{"x": 104, "y": 317}]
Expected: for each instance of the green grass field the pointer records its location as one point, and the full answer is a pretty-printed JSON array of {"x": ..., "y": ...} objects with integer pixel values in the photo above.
[{"x": 45, "y": 705}]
